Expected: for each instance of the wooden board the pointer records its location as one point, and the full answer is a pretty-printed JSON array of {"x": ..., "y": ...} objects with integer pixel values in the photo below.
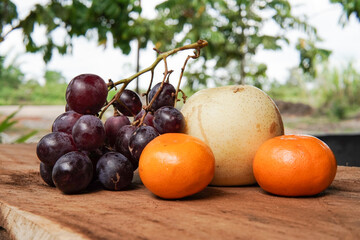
[{"x": 31, "y": 210}]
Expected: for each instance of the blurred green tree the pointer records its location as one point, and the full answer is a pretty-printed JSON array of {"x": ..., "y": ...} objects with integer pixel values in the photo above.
[
  {"x": 92, "y": 18},
  {"x": 8, "y": 15},
  {"x": 11, "y": 75},
  {"x": 349, "y": 7},
  {"x": 235, "y": 31},
  {"x": 54, "y": 77},
  {"x": 100, "y": 19},
  {"x": 311, "y": 56}
]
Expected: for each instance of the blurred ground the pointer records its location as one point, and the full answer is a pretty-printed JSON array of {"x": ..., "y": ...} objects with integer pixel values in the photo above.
[
  {"x": 301, "y": 118},
  {"x": 297, "y": 119}
]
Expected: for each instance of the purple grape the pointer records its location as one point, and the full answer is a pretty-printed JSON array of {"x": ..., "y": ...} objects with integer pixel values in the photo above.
[
  {"x": 139, "y": 139},
  {"x": 94, "y": 157},
  {"x": 122, "y": 143},
  {"x": 67, "y": 108},
  {"x": 165, "y": 98},
  {"x": 65, "y": 122},
  {"x": 46, "y": 174},
  {"x": 112, "y": 126},
  {"x": 115, "y": 171},
  {"x": 73, "y": 172},
  {"x": 88, "y": 133},
  {"x": 86, "y": 93},
  {"x": 129, "y": 103},
  {"x": 148, "y": 120},
  {"x": 53, "y": 145},
  {"x": 169, "y": 120}
]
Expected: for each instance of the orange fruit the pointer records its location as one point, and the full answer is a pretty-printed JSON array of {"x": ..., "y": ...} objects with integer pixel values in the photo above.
[
  {"x": 294, "y": 165},
  {"x": 176, "y": 165}
]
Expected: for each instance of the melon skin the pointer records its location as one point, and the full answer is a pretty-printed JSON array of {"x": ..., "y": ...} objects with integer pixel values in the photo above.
[{"x": 234, "y": 121}]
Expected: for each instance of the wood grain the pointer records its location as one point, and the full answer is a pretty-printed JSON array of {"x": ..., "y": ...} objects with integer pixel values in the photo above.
[{"x": 29, "y": 209}]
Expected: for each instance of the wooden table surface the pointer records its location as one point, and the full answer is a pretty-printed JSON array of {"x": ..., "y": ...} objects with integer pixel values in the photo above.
[{"x": 29, "y": 209}]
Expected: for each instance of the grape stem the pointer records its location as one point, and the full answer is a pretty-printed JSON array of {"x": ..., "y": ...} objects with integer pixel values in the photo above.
[
  {"x": 198, "y": 45},
  {"x": 149, "y": 88},
  {"x": 148, "y": 106},
  {"x": 196, "y": 55},
  {"x": 115, "y": 98},
  {"x": 162, "y": 56}
]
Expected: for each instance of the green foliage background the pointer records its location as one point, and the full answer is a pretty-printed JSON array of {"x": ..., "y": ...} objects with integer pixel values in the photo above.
[
  {"x": 334, "y": 92},
  {"x": 233, "y": 29},
  {"x": 16, "y": 91}
]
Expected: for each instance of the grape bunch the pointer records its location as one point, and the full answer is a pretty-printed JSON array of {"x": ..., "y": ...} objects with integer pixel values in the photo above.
[{"x": 82, "y": 149}]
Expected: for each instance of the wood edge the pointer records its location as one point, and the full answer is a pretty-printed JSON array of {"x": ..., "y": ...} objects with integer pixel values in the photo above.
[{"x": 27, "y": 226}]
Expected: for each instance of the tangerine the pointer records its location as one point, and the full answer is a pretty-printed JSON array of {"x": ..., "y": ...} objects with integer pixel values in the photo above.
[
  {"x": 176, "y": 165},
  {"x": 294, "y": 165}
]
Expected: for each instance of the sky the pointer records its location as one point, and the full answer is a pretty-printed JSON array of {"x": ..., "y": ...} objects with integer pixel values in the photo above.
[{"x": 110, "y": 63}]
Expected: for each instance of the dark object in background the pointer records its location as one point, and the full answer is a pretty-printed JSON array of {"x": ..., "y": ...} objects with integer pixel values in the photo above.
[
  {"x": 295, "y": 109},
  {"x": 346, "y": 148}
]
